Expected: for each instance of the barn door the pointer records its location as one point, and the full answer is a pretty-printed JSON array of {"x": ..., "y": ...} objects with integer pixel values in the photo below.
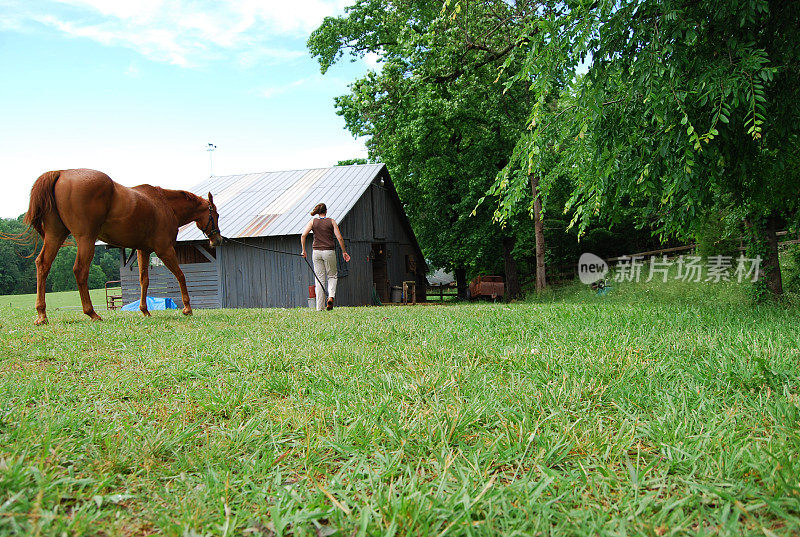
[{"x": 380, "y": 274}]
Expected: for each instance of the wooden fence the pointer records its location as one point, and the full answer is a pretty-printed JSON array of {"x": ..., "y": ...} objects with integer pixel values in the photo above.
[
  {"x": 567, "y": 272},
  {"x": 563, "y": 273},
  {"x": 439, "y": 291}
]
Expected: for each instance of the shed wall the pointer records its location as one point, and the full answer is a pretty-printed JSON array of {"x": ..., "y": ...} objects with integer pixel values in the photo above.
[
  {"x": 255, "y": 278},
  {"x": 202, "y": 282},
  {"x": 377, "y": 218}
]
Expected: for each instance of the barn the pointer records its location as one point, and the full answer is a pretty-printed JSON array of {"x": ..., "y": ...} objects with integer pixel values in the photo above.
[{"x": 267, "y": 212}]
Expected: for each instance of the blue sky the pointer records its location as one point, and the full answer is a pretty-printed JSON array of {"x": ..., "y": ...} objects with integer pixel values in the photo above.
[{"x": 138, "y": 88}]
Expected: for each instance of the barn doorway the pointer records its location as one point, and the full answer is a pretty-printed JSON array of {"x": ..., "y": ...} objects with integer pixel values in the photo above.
[{"x": 380, "y": 273}]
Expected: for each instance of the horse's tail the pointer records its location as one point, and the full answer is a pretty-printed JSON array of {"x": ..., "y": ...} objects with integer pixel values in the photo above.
[{"x": 43, "y": 200}]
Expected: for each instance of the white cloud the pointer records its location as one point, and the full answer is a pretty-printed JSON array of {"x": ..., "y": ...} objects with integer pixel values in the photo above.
[
  {"x": 256, "y": 55},
  {"x": 332, "y": 84},
  {"x": 154, "y": 43},
  {"x": 181, "y": 32},
  {"x": 270, "y": 92}
]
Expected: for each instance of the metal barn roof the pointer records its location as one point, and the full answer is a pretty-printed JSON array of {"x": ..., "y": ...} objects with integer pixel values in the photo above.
[{"x": 278, "y": 203}]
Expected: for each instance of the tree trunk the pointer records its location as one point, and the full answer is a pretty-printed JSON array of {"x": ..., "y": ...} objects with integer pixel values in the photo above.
[
  {"x": 513, "y": 289},
  {"x": 772, "y": 267},
  {"x": 541, "y": 280},
  {"x": 461, "y": 283},
  {"x": 764, "y": 243}
]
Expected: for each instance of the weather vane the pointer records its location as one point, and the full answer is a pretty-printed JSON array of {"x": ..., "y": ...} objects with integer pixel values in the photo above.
[{"x": 210, "y": 148}]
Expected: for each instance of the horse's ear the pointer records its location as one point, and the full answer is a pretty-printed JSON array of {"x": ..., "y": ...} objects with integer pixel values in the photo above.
[{"x": 210, "y": 198}]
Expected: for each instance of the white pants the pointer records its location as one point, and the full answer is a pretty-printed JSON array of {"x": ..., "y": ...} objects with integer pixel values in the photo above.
[{"x": 325, "y": 269}]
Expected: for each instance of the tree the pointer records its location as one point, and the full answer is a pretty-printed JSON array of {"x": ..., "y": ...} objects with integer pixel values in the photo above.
[
  {"x": 9, "y": 270},
  {"x": 435, "y": 116},
  {"x": 351, "y": 161},
  {"x": 61, "y": 277},
  {"x": 685, "y": 106},
  {"x": 108, "y": 261},
  {"x": 17, "y": 252}
]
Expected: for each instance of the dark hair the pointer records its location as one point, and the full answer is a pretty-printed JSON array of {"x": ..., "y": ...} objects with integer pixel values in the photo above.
[{"x": 319, "y": 208}]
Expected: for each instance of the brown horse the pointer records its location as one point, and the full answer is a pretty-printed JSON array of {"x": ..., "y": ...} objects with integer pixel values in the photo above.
[{"x": 88, "y": 205}]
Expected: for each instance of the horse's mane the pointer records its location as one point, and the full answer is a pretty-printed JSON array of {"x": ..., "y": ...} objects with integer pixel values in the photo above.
[
  {"x": 180, "y": 195},
  {"x": 190, "y": 196}
]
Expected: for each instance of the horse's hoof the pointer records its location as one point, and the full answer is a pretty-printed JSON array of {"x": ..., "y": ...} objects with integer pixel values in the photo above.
[
  {"x": 96, "y": 317},
  {"x": 187, "y": 311},
  {"x": 40, "y": 321},
  {"x": 146, "y": 313}
]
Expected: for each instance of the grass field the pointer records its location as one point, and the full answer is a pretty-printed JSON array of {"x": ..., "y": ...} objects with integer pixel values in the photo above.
[
  {"x": 56, "y": 301},
  {"x": 656, "y": 410}
]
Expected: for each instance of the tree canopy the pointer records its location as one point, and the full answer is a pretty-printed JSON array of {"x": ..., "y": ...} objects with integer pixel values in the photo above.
[
  {"x": 684, "y": 106},
  {"x": 657, "y": 111},
  {"x": 433, "y": 113}
]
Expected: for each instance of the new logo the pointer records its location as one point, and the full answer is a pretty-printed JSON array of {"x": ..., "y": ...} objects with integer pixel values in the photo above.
[{"x": 591, "y": 268}]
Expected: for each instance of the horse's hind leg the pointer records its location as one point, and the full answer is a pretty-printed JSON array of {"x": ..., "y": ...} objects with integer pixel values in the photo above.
[
  {"x": 54, "y": 235},
  {"x": 83, "y": 262}
]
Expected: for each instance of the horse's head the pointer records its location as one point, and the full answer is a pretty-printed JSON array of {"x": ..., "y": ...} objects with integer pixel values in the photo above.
[{"x": 209, "y": 225}]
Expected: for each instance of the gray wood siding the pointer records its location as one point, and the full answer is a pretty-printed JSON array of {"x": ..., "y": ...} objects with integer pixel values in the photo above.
[
  {"x": 359, "y": 227},
  {"x": 356, "y": 288},
  {"x": 254, "y": 278},
  {"x": 202, "y": 282}
]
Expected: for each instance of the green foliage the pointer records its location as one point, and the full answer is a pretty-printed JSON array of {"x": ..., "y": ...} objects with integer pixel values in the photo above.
[
  {"x": 678, "y": 404},
  {"x": 350, "y": 162},
  {"x": 792, "y": 268},
  {"x": 18, "y": 252},
  {"x": 61, "y": 277},
  {"x": 108, "y": 261},
  {"x": 97, "y": 278},
  {"x": 433, "y": 114},
  {"x": 715, "y": 234},
  {"x": 600, "y": 241},
  {"x": 757, "y": 247},
  {"x": 9, "y": 269},
  {"x": 562, "y": 245},
  {"x": 437, "y": 113},
  {"x": 685, "y": 106}
]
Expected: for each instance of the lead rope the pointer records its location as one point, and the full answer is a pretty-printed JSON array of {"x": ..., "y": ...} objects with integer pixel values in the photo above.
[{"x": 322, "y": 286}]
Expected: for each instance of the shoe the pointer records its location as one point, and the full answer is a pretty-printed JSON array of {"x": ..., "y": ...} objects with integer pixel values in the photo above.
[{"x": 329, "y": 307}]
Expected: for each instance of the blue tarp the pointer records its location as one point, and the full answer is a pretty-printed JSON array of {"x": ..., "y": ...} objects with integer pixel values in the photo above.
[{"x": 153, "y": 304}]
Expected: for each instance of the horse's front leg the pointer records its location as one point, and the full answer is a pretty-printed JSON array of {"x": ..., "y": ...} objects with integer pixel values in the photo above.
[
  {"x": 83, "y": 262},
  {"x": 170, "y": 260},
  {"x": 143, "y": 258}
]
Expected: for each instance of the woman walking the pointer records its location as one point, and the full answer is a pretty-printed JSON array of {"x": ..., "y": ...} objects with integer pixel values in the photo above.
[{"x": 326, "y": 232}]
